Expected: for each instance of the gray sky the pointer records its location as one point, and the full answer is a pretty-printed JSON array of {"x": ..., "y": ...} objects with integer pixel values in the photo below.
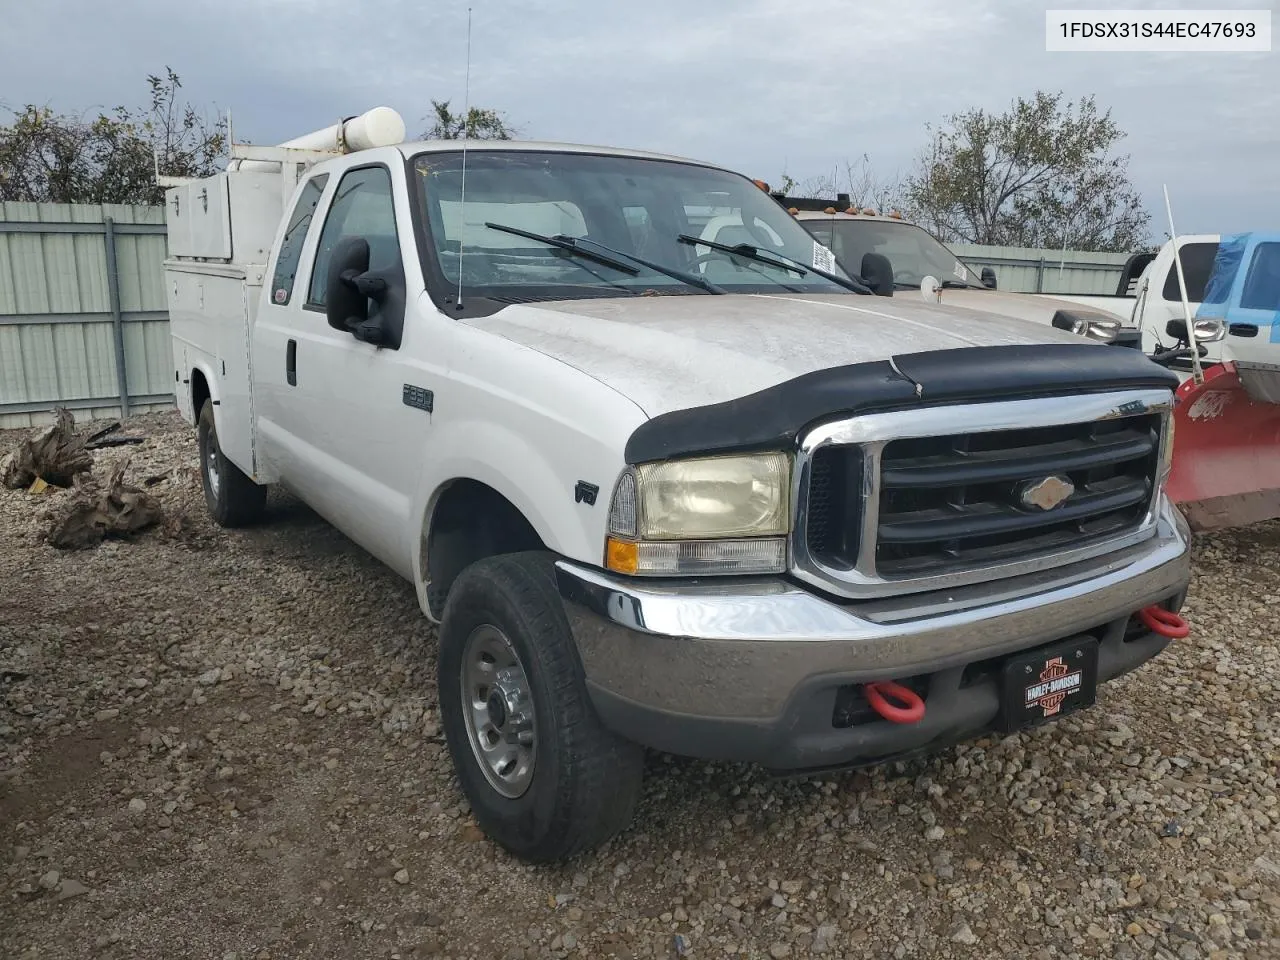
[{"x": 760, "y": 86}]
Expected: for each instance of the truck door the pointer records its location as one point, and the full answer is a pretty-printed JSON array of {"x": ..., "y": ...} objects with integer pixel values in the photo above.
[
  {"x": 1254, "y": 324},
  {"x": 276, "y": 402},
  {"x": 1164, "y": 299},
  {"x": 353, "y": 442}
]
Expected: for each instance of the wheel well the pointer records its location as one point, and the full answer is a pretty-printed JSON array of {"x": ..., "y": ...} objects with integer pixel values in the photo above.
[
  {"x": 199, "y": 393},
  {"x": 471, "y": 521}
]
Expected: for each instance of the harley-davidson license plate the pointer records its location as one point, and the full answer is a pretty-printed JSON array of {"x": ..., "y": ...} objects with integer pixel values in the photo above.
[{"x": 1049, "y": 684}]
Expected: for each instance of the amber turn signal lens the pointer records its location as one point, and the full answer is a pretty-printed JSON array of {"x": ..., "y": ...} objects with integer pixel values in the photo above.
[{"x": 621, "y": 556}]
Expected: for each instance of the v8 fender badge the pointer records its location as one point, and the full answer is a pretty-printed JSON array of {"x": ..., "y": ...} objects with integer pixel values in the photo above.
[{"x": 419, "y": 397}]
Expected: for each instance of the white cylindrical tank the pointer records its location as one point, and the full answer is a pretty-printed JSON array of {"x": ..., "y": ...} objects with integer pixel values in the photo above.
[{"x": 379, "y": 127}]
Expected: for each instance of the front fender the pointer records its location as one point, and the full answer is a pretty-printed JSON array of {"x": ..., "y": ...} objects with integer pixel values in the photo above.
[{"x": 539, "y": 480}]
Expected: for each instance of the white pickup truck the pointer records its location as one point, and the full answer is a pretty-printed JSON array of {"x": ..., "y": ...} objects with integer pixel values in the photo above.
[
  {"x": 1147, "y": 299},
  {"x": 1148, "y": 296},
  {"x": 714, "y": 501},
  {"x": 915, "y": 256}
]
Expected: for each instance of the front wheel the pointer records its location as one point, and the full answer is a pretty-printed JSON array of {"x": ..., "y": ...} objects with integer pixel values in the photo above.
[
  {"x": 545, "y": 778},
  {"x": 232, "y": 498}
]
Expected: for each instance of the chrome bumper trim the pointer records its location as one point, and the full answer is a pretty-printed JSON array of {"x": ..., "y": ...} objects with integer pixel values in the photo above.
[{"x": 740, "y": 648}]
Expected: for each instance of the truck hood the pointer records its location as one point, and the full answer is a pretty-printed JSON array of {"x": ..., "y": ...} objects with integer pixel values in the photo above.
[
  {"x": 1025, "y": 306},
  {"x": 676, "y": 352}
]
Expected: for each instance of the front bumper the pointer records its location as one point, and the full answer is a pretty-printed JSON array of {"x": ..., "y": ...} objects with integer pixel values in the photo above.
[{"x": 751, "y": 670}]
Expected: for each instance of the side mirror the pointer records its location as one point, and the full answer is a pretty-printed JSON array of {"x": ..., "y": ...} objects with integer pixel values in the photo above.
[
  {"x": 351, "y": 285},
  {"x": 1178, "y": 330},
  {"x": 346, "y": 307},
  {"x": 989, "y": 278},
  {"x": 878, "y": 273}
]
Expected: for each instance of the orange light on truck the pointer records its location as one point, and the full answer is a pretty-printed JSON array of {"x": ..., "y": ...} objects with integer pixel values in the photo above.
[{"x": 621, "y": 556}]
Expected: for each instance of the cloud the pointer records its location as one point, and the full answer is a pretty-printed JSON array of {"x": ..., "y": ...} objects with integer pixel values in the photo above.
[{"x": 757, "y": 85}]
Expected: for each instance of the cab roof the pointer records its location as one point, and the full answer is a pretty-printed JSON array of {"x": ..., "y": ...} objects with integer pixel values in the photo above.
[
  {"x": 841, "y": 215},
  {"x": 418, "y": 147}
]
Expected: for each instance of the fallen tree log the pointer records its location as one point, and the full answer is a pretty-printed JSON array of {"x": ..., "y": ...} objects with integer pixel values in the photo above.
[
  {"x": 97, "y": 511},
  {"x": 56, "y": 456}
]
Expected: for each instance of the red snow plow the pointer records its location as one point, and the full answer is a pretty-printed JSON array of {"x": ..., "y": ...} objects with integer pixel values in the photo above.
[
  {"x": 1226, "y": 446},
  {"x": 1226, "y": 452}
]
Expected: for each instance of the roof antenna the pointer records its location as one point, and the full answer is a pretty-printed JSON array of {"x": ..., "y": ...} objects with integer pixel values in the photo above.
[
  {"x": 462, "y": 204},
  {"x": 1196, "y": 372}
]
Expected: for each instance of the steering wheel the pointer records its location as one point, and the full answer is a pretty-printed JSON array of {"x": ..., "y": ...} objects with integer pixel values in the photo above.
[{"x": 713, "y": 255}]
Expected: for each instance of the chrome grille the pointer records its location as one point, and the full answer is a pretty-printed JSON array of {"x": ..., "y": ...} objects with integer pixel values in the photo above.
[
  {"x": 954, "y": 501},
  {"x": 917, "y": 500}
]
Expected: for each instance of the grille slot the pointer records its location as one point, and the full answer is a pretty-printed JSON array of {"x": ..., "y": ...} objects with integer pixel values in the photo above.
[
  {"x": 832, "y": 526},
  {"x": 954, "y": 502}
]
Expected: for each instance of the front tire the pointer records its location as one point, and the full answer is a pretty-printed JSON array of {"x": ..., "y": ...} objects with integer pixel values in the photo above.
[
  {"x": 232, "y": 498},
  {"x": 545, "y": 778}
]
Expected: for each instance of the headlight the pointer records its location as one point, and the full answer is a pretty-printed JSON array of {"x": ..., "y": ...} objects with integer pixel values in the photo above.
[{"x": 709, "y": 515}]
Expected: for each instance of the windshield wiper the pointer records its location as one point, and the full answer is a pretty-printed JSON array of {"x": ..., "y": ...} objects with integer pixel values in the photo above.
[
  {"x": 573, "y": 245},
  {"x": 561, "y": 242},
  {"x": 774, "y": 259},
  {"x": 692, "y": 279}
]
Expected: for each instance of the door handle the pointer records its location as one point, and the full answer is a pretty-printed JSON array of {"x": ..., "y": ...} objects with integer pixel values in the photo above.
[{"x": 291, "y": 363}]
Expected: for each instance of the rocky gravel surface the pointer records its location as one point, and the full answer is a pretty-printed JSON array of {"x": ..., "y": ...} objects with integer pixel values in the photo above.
[{"x": 226, "y": 745}]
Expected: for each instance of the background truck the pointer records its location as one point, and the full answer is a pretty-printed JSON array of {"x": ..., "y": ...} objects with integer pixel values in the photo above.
[
  {"x": 1146, "y": 311},
  {"x": 1149, "y": 298},
  {"x": 659, "y": 491},
  {"x": 915, "y": 255}
]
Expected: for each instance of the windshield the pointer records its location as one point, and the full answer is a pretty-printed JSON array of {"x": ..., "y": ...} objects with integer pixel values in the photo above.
[
  {"x": 556, "y": 206},
  {"x": 912, "y": 252}
]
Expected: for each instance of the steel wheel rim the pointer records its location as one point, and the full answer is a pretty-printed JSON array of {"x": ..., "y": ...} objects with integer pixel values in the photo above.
[
  {"x": 497, "y": 704},
  {"x": 211, "y": 464}
]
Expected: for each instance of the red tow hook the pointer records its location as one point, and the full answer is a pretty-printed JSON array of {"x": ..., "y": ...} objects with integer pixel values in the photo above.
[
  {"x": 1164, "y": 622},
  {"x": 878, "y": 694}
]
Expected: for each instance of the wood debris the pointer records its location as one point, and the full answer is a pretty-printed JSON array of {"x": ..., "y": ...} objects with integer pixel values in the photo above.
[
  {"x": 55, "y": 455},
  {"x": 97, "y": 511}
]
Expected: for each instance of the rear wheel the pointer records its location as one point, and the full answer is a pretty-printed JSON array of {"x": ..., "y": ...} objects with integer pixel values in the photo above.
[
  {"x": 232, "y": 498},
  {"x": 545, "y": 778}
]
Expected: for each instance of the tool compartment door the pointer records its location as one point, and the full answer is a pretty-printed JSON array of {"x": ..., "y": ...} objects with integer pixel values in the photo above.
[{"x": 235, "y": 375}]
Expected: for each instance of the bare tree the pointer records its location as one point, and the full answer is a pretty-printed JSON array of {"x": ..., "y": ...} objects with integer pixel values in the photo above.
[{"x": 866, "y": 188}]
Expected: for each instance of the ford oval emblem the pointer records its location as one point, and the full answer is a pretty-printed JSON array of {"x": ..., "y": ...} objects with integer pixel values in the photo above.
[{"x": 1047, "y": 493}]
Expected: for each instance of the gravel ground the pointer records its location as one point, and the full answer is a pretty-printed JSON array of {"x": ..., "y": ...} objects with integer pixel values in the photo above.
[{"x": 225, "y": 745}]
